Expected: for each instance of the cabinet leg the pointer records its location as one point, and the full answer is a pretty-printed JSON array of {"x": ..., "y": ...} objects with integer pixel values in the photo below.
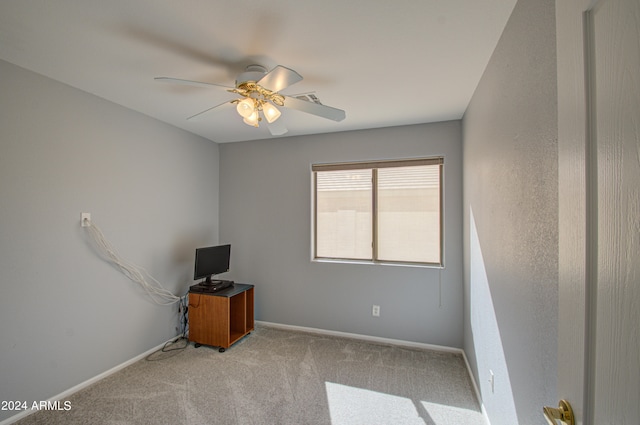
[
  {"x": 221, "y": 350},
  {"x": 197, "y": 345}
]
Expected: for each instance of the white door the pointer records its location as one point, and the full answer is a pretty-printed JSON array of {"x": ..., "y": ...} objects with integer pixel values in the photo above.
[{"x": 599, "y": 174}]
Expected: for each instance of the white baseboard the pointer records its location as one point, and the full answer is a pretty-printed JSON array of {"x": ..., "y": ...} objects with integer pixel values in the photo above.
[
  {"x": 476, "y": 389},
  {"x": 389, "y": 341},
  {"x": 86, "y": 383}
]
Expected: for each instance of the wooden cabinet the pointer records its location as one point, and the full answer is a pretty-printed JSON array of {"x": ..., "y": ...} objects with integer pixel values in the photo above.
[{"x": 221, "y": 318}]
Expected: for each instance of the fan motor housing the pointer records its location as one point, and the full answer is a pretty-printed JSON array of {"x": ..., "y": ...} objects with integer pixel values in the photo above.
[{"x": 251, "y": 73}]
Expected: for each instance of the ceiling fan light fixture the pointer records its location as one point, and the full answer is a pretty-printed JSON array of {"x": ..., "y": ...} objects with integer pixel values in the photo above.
[
  {"x": 271, "y": 113},
  {"x": 258, "y": 94},
  {"x": 246, "y": 107}
]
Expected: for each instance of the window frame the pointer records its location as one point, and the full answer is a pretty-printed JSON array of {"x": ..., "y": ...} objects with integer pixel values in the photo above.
[{"x": 374, "y": 166}]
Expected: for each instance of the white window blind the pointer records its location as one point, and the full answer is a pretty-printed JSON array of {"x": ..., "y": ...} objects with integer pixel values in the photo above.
[
  {"x": 383, "y": 211},
  {"x": 344, "y": 214}
]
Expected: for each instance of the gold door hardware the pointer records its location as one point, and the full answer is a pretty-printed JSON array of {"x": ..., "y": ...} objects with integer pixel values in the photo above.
[{"x": 563, "y": 412}]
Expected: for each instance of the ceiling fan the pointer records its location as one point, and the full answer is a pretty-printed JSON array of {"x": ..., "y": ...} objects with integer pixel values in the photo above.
[{"x": 259, "y": 97}]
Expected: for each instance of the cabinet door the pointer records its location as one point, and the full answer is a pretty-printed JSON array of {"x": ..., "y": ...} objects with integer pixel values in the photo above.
[{"x": 209, "y": 320}]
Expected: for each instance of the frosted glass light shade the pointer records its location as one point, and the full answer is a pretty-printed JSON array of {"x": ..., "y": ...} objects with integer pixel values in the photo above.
[
  {"x": 246, "y": 107},
  {"x": 271, "y": 113},
  {"x": 252, "y": 119}
]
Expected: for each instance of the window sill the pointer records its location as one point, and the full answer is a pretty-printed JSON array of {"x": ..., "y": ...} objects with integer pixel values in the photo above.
[{"x": 376, "y": 263}]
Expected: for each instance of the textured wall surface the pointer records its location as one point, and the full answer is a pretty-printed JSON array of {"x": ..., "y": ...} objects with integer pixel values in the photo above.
[
  {"x": 265, "y": 213},
  {"x": 511, "y": 218},
  {"x": 65, "y": 314}
]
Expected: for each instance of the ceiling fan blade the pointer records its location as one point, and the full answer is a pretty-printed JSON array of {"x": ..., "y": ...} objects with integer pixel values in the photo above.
[
  {"x": 277, "y": 128},
  {"x": 279, "y": 78},
  {"x": 203, "y": 114},
  {"x": 323, "y": 111},
  {"x": 190, "y": 82}
]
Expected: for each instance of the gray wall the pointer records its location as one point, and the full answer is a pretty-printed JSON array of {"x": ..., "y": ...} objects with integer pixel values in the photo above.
[
  {"x": 511, "y": 220},
  {"x": 66, "y": 315},
  {"x": 265, "y": 213}
]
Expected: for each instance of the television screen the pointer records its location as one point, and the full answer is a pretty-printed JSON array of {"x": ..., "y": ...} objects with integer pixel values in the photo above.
[{"x": 211, "y": 261}]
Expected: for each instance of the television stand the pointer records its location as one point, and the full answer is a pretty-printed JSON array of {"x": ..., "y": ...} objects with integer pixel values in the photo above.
[{"x": 221, "y": 318}]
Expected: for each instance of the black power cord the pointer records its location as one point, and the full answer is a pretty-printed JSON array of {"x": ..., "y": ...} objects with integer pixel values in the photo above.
[{"x": 183, "y": 309}]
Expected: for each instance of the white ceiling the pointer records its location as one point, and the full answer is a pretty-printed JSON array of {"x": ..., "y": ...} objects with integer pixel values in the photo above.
[{"x": 384, "y": 62}]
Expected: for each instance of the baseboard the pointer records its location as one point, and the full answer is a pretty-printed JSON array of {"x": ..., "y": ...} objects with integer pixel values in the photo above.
[
  {"x": 476, "y": 388},
  {"x": 389, "y": 341},
  {"x": 86, "y": 383}
]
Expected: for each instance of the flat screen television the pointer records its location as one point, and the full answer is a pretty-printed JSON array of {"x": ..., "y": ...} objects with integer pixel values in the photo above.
[{"x": 211, "y": 261}]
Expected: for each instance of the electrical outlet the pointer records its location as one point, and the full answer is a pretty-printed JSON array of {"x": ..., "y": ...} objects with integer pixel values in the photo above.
[
  {"x": 84, "y": 219},
  {"x": 375, "y": 311}
]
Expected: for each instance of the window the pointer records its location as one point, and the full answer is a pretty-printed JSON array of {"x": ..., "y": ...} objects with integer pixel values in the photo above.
[{"x": 382, "y": 211}]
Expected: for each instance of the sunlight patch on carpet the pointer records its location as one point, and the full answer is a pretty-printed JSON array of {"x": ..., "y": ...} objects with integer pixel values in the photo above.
[
  {"x": 355, "y": 406},
  {"x": 441, "y": 414}
]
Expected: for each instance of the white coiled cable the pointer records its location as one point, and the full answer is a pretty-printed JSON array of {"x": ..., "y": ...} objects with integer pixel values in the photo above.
[{"x": 137, "y": 274}]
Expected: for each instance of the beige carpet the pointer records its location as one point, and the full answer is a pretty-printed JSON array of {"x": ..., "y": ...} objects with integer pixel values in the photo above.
[{"x": 276, "y": 376}]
